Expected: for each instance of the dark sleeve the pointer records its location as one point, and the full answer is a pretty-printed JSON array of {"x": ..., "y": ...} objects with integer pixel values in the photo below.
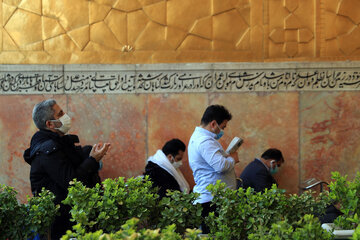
[
  {"x": 85, "y": 150},
  {"x": 163, "y": 180},
  {"x": 262, "y": 180},
  {"x": 62, "y": 171}
]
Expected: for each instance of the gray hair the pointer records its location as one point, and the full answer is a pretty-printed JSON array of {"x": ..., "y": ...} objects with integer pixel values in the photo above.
[{"x": 43, "y": 112}]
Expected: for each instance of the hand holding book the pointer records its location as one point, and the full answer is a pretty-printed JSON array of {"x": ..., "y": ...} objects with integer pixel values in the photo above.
[{"x": 234, "y": 145}]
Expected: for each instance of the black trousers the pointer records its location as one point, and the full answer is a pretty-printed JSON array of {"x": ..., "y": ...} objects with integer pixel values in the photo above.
[
  {"x": 61, "y": 223},
  {"x": 205, "y": 212}
]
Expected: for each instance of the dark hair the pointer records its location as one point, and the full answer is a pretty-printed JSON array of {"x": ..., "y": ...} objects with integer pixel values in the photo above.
[
  {"x": 173, "y": 147},
  {"x": 273, "y": 153},
  {"x": 215, "y": 112}
]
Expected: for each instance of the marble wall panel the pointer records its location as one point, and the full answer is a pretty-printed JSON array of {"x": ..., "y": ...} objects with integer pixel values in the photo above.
[
  {"x": 118, "y": 119},
  {"x": 174, "y": 116},
  {"x": 316, "y": 131},
  {"x": 330, "y": 135},
  {"x": 264, "y": 121},
  {"x": 16, "y": 130}
]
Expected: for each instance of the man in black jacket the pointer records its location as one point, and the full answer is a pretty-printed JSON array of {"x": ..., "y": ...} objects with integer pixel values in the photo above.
[
  {"x": 55, "y": 159},
  {"x": 163, "y": 168},
  {"x": 258, "y": 174}
]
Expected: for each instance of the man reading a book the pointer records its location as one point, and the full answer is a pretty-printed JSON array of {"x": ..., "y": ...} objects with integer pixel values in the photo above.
[{"x": 208, "y": 160}]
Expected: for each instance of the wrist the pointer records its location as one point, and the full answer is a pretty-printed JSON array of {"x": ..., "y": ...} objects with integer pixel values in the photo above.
[{"x": 91, "y": 157}]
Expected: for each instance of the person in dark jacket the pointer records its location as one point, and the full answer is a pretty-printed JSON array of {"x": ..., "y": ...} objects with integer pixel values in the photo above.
[
  {"x": 258, "y": 174},
  {"x": 55, "y": 159},
  {"x": 163, "y": 168}
]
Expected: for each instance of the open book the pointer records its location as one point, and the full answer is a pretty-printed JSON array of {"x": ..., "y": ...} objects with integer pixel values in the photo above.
[{"x": 234, "y": 145}]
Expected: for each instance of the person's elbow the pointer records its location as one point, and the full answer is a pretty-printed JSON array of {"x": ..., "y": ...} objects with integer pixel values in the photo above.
[{"x": 224, "y": 166}]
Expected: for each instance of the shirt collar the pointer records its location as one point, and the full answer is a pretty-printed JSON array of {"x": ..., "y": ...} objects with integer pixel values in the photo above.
[{"x": 204, "y": 131}]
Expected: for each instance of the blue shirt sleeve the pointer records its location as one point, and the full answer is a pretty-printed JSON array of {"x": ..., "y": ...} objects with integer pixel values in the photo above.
[{"x": 212, "y": 152}]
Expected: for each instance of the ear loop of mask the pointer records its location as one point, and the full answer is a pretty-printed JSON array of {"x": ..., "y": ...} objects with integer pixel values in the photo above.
[
  {"x": 65, "y": 123},
  {"x": 220, "y": 134}
]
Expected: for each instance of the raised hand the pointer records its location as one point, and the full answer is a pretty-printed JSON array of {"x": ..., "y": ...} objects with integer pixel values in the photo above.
[{"x": 99, "y": 150}]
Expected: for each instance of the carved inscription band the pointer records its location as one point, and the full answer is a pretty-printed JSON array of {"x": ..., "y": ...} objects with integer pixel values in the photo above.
[{"x": 179, "y": 78}]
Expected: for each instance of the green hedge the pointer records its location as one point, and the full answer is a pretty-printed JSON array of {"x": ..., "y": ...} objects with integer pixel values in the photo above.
[
  {"x": 130, "y": 231},
  {"x": 109, "y": 206},
  {"x": 22, "y": 221},
  {"x": 131, "y": 209},
  {"x": 244, "y": 212},
  {"x": 347, "y": 195}
]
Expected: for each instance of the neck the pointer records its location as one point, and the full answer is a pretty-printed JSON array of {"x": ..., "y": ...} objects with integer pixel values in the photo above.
[
  {"x": 265, "y": 162},
  {"x": 56, "y": 131},
  {"x": 207, "y": 127}
]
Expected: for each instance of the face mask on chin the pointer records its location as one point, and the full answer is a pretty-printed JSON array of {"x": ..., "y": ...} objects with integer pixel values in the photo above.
[
  {"x": 220, "y": 134},
  {"x": 176, "y": 164},
  {"x": 66, "y": 123}
]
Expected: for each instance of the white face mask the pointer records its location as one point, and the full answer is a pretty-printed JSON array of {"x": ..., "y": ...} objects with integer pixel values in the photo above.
[
  {"x": 177, "y": 164},
  {"x": 66, "y": 123}
]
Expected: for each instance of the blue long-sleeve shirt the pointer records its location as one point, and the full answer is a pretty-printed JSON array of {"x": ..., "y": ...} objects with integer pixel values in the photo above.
[{"x": 209, "y": 163}]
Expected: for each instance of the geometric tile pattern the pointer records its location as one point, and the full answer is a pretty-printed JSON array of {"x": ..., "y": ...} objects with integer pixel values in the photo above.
[
  {"x": 124, "y": 26},
  {"x": 291, "y": 29},
  {"x": 159, "y": 31},
  {"x": 341, "y": 28}
]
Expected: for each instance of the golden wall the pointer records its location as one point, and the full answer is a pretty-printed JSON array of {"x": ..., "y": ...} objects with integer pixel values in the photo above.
[{"x": 158, "y": 31}]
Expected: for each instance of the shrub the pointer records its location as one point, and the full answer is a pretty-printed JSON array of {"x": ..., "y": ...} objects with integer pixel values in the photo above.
[
  {"x": 179, "y": 209},
  {"x": 356, "y": 235},
  {"x": 243, "y": 212},
  {"x": 347, "y": 195},
  {"x": 129, "y": 231},
  {"x": 22, "y": 221},
  {"x": 109, "y": 206},
  {"x": 308, "y": 227}
]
